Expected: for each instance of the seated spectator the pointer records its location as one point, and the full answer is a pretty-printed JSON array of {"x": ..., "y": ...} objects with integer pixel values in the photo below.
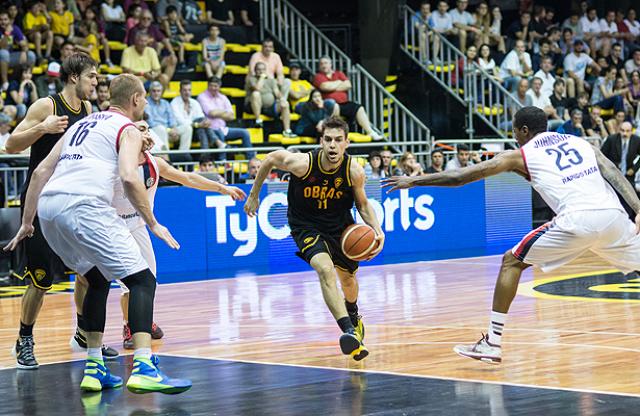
[
  {"x": 603, "y": 94},
  {"x": 141, "y": 60},
  {"x": 250, "y": 17},
  {"x": 634, "y": 95},
  {"x": 273, "y": 65},
  {"x": 66, "y": 51},
  {"x": 538, "y": 28},
  {"x": 421, "y": 21},
  {"x": 219, "y": 12},
  {"x": 546, "y": 75},
  {"x": 22, "y": 91},
  {"x": 134, "y": 16},
  {"x": 264, "y": 97},
  {"x": 213, "y": 53},
  {"x": 520, "y": 30},
  {"x": 88, "y": 42},
  {"x": 544, "y": 51},
  {"x": 218, "y": 110},
  {"x": 387, "y": 164},
  {"x": 495, "y": 37},
  {"x": 193, "y": 16},
  {"x": 36, "y": 28},
  {"x": 574, "y": 25},
  {"x": 482, "y": 20},
  {"x": 464, "y": 24},
  {"x": 458, "y": 73},
  {"x": 614, "y": 124},
  {"x": 559, "y": 101},
  {"x": 373, "y": 168},
  {"x": 101, "y": 103},
  {"x": 207, "y": 168},
  {"x": 596, "y": 127},
  {"x": 335, "y": 85},
  {"x": 156, "y": 39},
  {"x": 574, "y": 125},
  {"x": 61, "y": 23},
  {"x": 95, "y": 27},
  {"x": 50, "y": 83},
  {"x": 114, "y": 18},
  {"x": 486, "y": 62},
  {"x": 462, "y": 159},
  {"x": 616, "y": 60},
  {"x": 575, "y": 69},
  {"x": 555, "y": 35},
  {"x": 516, "y": 65},
  {"x": 632, "y": 23},
  {"x": 622, "y": 148},
  {"x": 538, "y": 99},
  {"x": 633, "y": 64},
  {"x": 437, "y": 162},
  {"x": 5, "y": 129},
  {"x": 443, "y": 24},
  {"x": 300, "y": 88},
  {"x": 252, "y": 170},
  {"x": 313, "y": 113},
  {"x": 163, "y": 121},
  {"x": 162, "y": 10},
  {"x": 591, "y": 29},
  {"x": 626, "y": 37},
  {"x": 608, "y": 32},
  {"x": 522, "y": 98},
  {"x": 14, "y": 48},
  {"x": 177, "y": 36},
  {"x": 409, "y": 165}
]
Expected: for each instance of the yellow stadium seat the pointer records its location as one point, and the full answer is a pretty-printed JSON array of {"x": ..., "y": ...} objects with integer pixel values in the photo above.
[
  {"x": 234, "y": 47},
  {"x": 117, "y": 46},
  {"x": 233, "y": 92},
  {"x": 606, "y": 112},
  {"x": 391, "y": 88},
  {"x": 441, "y": 68},
  {"x": 359, "y": 138},
  {"x": 261, "y": 156},
  {"x": 113, "y": 70},
  {"x": 247, "y": 116},
  {"x": 192, "y": 47},
  {"x": 236, "y": 69},
  {"x": 490, "y": 111},
  {"x": 362, "y": 161},
  {"x": 255, "y": 47},
  {"x": 391, "y": 78}
]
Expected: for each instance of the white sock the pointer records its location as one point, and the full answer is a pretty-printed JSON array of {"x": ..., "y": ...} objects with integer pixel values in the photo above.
[
  {"x": 95, "y": 353},
  {"x": 142, "y": 353},
  {"x": 496, "y": 327}
]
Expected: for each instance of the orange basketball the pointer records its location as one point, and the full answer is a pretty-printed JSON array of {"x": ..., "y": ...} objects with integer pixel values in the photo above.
[{"x": 358, "y": 240}]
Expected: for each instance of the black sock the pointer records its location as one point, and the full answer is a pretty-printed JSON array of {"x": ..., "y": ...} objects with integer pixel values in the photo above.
[
  {"x": 345, "y": 324},
  {"x": 352, "y": 308},
  {"x": 26, "y": 330},
  {"x": 80, "y": 320}
]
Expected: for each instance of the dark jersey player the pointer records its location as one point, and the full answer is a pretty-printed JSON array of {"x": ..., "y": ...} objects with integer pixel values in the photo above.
[
  {"x": 324, "y": 185},
  {"x": 46, "y": 121}
]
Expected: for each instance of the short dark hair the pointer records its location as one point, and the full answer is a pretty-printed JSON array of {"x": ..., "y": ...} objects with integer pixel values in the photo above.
[
  {"x": 102, "y": 84},
  {"x": 437, "y": 151},
  {"x": 462, "y": 147},
  {"x": 212, "y": 25},
  {"x": 335, "y": 122},
  {"x": 171, "y": 9},
  {"x": 215, "y": 80},
  {"x": 544, "y": 40},
  {"x": 558, "y": 81},
  {"x": 575, "y": 112},
  {"x": 185, "y": 82},
  {"x": 76, "y": 64},
  {"x": 532, "y": 117},
  {"x": 205, "y": 158},
  {"x": 373, "y": 154}
]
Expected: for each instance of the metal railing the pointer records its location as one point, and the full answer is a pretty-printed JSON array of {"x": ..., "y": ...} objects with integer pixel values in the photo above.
[
  {"x": 303, "y": 40},
  {"x": 482, "y": 94}
]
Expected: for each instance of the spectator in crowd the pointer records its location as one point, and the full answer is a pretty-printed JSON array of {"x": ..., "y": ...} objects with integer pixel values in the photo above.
[
  {"x": 50, "y": 83},
  {"x": 37, "y": 28},
  {"x": 103, "y": 96},
  {"x": 633, "y": 64},
  {"x": 464, "y": 24},
  {"x": 555, "y": 35},
  {"x": 313, "y": 113},
  {"x": 482, "y": 21},
  {"x": 422, "y": 22},
  {"x": 387, "y": 164},
  {"x": 616, "y": 60},
  {"x": 142, "y": 60},
  {"x": 410, "y": 166},
  {"x": 156, "y": 39},
  {"x": 162, "y": 10},
  {"x": 634, "y": 95},
  {"x": 114, "y": 18},
  {"x": 213, "y": 53},
  {"x": 95, "y": 27},
  {"x": 207, "y": 168},
  {"x": 486, "y": 62},
  {"x": 218, "y": 110},
  {"x": 5, "y": 128},
  {"x": 66, "y": 51},
  {"x": 437, "y": 162},
  {"x": 626, "y": 37},
  {"x": 14, "y": 48},
  {"x": 544, "y": 50},
  {"x": 22, "y": 91},
  {"x": 264, "y": 97},
  {"x": 219, "y": 12},
  {"x": 252, "y": 170},
  {"x": 522, "y": 98},
  {"x": 250, "y": 17},
  {"x": 603, "y": 94},
  {"x": 520, "y": 30},
  {"x": 609, "y": 32},
  {"x": 134, "y": 16},
  {"x": 538, "y": 27},
  {"x": 443, "y": 24},
  {"x": 193, "y": 16},
  {"x": 87, "y": 41},
  {"x": 273, "y": 64},
  {"x": 61, "y": 23},
  {"x": 516, "y": 65},
  {"x": 596, "y": 127},
  {"x": 300, "y": 91},
  {"x": 574, "y": 24},
  {"x": 546, "y": 75},
  {"x": 632, "y": 23},
  {"x": 335, "y": 85},
  {"x": 373, "y": 169},
  {"x": 177, "y": 36},
  {"x": 559, "y": 101},
  {"x": 542, "y": 101},
  {"x": 574, "y": 125},
  {"x": 622, "y": 149},
  {"x": 463, "y": 158},
  {"x": 575, "y": 68},
  {"x": 495, "y": 36},
  {"x": 163, "y": 121},
  {"x": 615, "y": 123}
]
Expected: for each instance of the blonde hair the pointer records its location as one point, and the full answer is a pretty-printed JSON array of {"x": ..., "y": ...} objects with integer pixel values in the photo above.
[
  {"x": 122, "y": 89},
  {"x": 403, "y": 159}
]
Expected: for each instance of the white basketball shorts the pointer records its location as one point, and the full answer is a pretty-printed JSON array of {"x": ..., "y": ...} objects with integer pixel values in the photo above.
[{"x": 141, "y": 235}]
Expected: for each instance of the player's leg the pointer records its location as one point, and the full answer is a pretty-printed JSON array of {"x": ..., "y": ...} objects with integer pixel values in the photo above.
[
  {"x": 349, "y": 285},
  {"x": 32, "y": 301}
]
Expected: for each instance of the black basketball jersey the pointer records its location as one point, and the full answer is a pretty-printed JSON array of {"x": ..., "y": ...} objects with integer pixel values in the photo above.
[
  {"x": 321, "y": 199},
  {"x": 42, "y": 147}
]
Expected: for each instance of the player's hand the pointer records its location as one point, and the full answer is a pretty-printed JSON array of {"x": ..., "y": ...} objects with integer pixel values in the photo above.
[
  {"x": 397, "y": 182},
  {"x": 236, "y": 194},
  {"x": 26, "y": 230},
  {"x": 638, "y": 224},
  {"x": 380, "y": 239},
  {"x": 55, "y": 124},
  {"x": 163, "y": 233},
  {"x": 251, "y": 206}
]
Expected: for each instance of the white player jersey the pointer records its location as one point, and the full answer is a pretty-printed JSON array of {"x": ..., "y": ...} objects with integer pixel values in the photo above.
[
  {"x": 150, "y": 175},
  {"x": 88, "y": 164},
  {"x": 564, "y": 170}
]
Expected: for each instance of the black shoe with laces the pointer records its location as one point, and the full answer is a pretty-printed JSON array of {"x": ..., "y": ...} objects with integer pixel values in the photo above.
[
  {"x": 23, "y": 352},
  {"x": 79, "y": 343}
]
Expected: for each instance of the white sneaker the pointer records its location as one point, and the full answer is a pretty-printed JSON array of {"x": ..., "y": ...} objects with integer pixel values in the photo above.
[{"x": 481, "y": 350}]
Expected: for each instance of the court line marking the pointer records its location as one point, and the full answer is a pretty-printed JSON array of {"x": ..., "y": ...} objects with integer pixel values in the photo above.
[{"x": 393, "y": 373}]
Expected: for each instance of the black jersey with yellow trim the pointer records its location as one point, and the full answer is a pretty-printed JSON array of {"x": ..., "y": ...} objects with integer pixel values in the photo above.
[{"x": 321, "y": 199}]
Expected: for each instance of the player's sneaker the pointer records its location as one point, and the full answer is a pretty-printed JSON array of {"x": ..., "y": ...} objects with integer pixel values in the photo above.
[
  {"x": 23, "y": 353},
  {"x": 156, "y": 332},
  {"x": 358, "y": 325},
  {"x": 481, "y": 350},
  {"x": 351, "y": 344},
  {"x": 147, "y": 378},
  {"x": 97, "y": 377},
  {"x": 127, "y": 338},
  {"x": 78, "y": 343}
]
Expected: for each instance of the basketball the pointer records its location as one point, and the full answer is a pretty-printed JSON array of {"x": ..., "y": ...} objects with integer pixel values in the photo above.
[{"x": 357, "y": 241}]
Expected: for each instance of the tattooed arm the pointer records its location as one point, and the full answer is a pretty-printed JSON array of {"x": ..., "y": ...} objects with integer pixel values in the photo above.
[
  {"x": 612, "y": 174},
  {"x": 510, "y": 161}
]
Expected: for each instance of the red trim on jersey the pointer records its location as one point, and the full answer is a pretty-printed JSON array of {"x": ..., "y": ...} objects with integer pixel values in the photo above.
[
  {"x": 525, "y": 245},
  {"x": 119, "y": 133},
  {"x": 524, "y": 158},
  {"x": 152, "y": 166}
]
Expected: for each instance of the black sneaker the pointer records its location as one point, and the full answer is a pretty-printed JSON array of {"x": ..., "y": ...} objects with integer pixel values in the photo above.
[
  {"x": 78, "y": 343},
  {"x": 23, "y": 352}
]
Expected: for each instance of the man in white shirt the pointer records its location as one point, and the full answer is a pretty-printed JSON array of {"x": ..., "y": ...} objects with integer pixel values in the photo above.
[
  {"x": 443, "y": 24},
  {"x": 575, "y": 67},
  {"x": 632, "y": 23},
  {"x": 462, "y": 159},
  {"x": 542, "y": 101},
  {"x": 633, "y": 64},
  {"x": 591, "y": 29},
  {"x": 609, "y": 32},
  {"x": 463, "y": 22},
  {"x": 546, "y": 75},
  {"x": 516, "y": 65}
]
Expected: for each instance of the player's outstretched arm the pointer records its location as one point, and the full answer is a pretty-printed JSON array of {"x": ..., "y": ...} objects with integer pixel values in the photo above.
[
  {"x": 296, "y": 163},
  {"x": 510, "y": 161},
  {"x": 39, "y": 179},
  {"x": 130, "y": 147},
  {"x": 39, "y": 121},
  {"x": 358, "y": 180},
  {"x": 195, "y": 181}
]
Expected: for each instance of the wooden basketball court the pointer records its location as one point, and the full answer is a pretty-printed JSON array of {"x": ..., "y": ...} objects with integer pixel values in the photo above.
[{"x": 570, "y": 345}]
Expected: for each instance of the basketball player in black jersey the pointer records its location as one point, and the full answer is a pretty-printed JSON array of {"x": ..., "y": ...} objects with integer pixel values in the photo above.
[
  {"x": 46, "y": 121},
  {"x": 324, "y": 185}
]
